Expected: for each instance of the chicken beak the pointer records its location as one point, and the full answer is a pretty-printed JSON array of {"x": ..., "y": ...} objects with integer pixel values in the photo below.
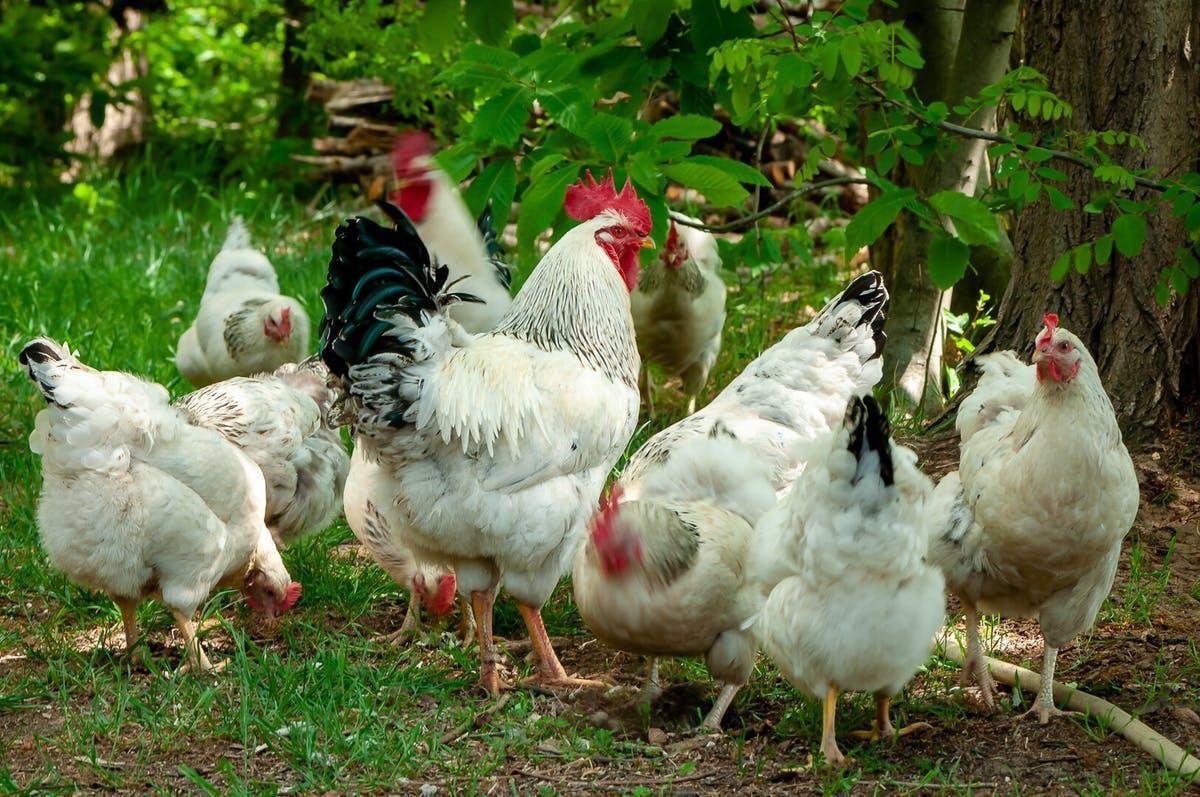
[{"x": 648, "y": 243}]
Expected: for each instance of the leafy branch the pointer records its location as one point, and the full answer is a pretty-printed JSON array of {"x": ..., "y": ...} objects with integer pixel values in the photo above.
[{"x": 746, "y": 221}]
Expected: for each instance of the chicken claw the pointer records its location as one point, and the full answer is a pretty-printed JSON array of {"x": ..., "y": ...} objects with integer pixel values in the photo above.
[
  {"x": 551, "y": 673},
  {"x": 1044, "y": 712}
]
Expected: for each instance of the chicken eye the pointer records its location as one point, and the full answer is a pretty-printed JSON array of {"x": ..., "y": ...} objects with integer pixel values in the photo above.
[
  {"x": 1064, "y": 346},
  {"x": 620, "y": 232}
]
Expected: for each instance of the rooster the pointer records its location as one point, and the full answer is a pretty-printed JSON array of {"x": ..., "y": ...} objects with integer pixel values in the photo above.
[
  {"x": 664, "y": 570},
  {"x": 468, "y": 249},
  {"x": 244, "y": 326},
  {"x": 679, "y": 311},
  {"x": 849, "y": 601},
  {"x": 137, "y": 502},
  {"x": 1032, "y": 522},
  {"x": 281, "y": 421},
  {"x": 493, "y": 447}
]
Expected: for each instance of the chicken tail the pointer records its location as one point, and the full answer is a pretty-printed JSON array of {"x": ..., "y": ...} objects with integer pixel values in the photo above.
[
  {"x": 860, "y": 306},
  {"x": 870, "y": 433},
  {"x": 487, "y": 230},
  {"x": 238, "y": 237},
  {"x": 377, "y": 273}
]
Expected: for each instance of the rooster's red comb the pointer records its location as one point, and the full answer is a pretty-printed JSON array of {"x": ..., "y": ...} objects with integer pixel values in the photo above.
[
  {"x": 587, "y": 199},
  {"x": 290, "y": 597},
  {"x": 1051, "y": 322},
  {"x": 610, "y": 505},
  {"x": 443, "y": 600},
  {"x": 409, "y": 146}
]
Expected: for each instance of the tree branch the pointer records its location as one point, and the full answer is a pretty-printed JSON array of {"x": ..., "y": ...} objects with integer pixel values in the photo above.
[
  {"x": 972, "y": 132},
  {"x": 746, "y": 221}
]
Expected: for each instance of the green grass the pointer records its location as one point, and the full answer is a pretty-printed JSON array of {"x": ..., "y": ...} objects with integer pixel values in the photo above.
[{"x": 315, "y": 705}]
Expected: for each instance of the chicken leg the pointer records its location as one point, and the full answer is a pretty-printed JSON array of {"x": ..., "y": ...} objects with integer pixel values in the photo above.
[
  {"x": 466, "y": 621},
  {"x": 550, "y": 670},
  {"x": 882, "y": 727},
  {"x": 829, "y": 746},
  {"x": 412, "y": 621},
  {"x": 724, "y": 700},
  {"x": 974, "y": 667},
  {"x": 193, "y": 653},
  {"x": 1044, "y": 708},
  {"x": 489, "y": 657}
]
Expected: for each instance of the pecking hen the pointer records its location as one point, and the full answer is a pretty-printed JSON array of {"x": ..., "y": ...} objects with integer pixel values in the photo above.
[
  {"x": 1031, "y": 523},
  {"x": 244, "y": 326},
  {"x": 679, "y": 311},
  {"x": 664, "y": 570},
  {"x": 493, "y": 447},
  {"x": 849, "y": 601},
  {"x": 136, "y": 502}
]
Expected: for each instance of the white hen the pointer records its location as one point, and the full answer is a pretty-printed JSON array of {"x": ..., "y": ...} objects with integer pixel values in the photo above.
[
  {"x": 137, "y": 502},
  {"x": 679, "y": 311},
  {"x": 850, "y": 602},
  {"x": 664, "y": 570},
  {"x": 244, "y": 326},
  {"x": 1032, "y": 522},
  {"x": 494, "y": 446},
  {"x": 281, "y": 421}
]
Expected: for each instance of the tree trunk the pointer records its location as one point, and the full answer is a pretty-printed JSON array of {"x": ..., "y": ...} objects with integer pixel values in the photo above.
[
  {"x": 965, "y": 49},
  {"x": 1123, "y": 65},
  {"x": 294, "y": 115}
]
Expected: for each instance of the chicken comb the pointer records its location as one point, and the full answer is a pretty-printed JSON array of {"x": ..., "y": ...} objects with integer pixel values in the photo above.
[
  {"x": 443, "y": 600},
  {"x": 587, "y": 199},
  {"x": 409, "y": 146},
  {"x": 601, "y": 523},
  {"x": 290, "y": 597},
  {"x": 1051, "y": 322}
]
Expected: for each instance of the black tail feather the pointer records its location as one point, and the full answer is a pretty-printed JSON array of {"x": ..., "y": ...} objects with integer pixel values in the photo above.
[
  {"x": 375, "y": 269},
  {"x": 487, "y": 229},
  {"x": 38, "y": 352},
  {"x": 870, "y": 430},
  {"x": 869, "y": 291}
]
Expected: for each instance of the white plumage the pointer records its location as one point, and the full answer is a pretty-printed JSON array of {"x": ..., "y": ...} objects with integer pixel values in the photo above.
[
  {"x": 664, "y": 570},
  {"x": 1032, "y": 522},
  {"x": 679, "y": 311},
  {"x": 849, "y": 601},
  {"x": 244, "y": 326},
  {"x": 281, "y": 421},
  {"x": 136, "y": 502}
]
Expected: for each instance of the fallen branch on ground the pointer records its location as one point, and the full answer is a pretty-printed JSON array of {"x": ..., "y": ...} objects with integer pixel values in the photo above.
[
  {"x": 1171, "y": 755},
  {"x": 477, "y": 721}
]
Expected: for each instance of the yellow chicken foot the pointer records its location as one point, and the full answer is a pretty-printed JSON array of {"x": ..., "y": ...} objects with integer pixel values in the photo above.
[
  {"x": 974, "y": 667},
  {"x": 466, "y": 622},
  {"x": 882, "y": 727},
  {"x": 829, "y": 746},
  {"x": 133, "y": 651},
  {"x": 1044, "y": 708},
  {"x": 550, "y": 670},
  {"x": 724, "y": 700},
  {"x": 489, "y": 657},
  {"x": 194, "y": 658},
  {"x": 408, "y": 628}
]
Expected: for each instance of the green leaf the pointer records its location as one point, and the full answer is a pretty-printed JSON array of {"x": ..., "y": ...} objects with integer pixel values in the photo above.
[
  {"x": 947, "y": 260},
  {"x": 540, "y": 204},
  {"x": 686, "y": 126},
  {"x": 498, "y": 183},
  {"x": 1038, "y": 155},
  {"x": 1162, "y": 291},
  {"x": 718, "y": 187},
  {"x": 1018, "y": 183},
  {"x": 546, "y": 164},
  {"x": 973, "y": 221},
  {"x": 1189, "y": 264},
  {"x": 1129, "y": 233},
  {"x": 876, "y": 216},
  {"x": 1180, "y": 281},
  {"x": 828, "y": 60},
  {"x": 1104, "y": 247},
  {"x": 1058, "y": 200},
  {"x": 1193, "y": 218},
  {"x": 570, "y": 107},
  {"x": 650, "y": 18},
  {"x": 502, "y": 118},
  {"x": 742, "y": 172},
  {"x": 438, "y": 24},
  {"x": 852, "y": 55},
  {"x": 490, "y": 20},
  {"x": 458, "y": 161},
  {"x": 909, "y": 57},
  {"x": 1083, "y": 258},
  {"x": 1050, "y": 173},
  {"x": 98, "y": 106},
  {"x": 609, "y": 136},
  {"x": 1058, "y": 272}
]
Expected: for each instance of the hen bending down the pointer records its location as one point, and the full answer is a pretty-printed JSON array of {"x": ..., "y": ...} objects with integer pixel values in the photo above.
[
  {"x": 1032, "y": 522},
  {"x": 849, "y": 601},
  {"x": 664, "y": 572},
  {"x": 493, "y": 447},
  {"x": 679, "y": 311},
  {"x": 281, "y": 421},
  {"x": 137, "y": 502},
  {"x": 244, "y": 325}
]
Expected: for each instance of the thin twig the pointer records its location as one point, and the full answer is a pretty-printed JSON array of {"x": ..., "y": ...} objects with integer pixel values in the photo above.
[
  {"x": 1169, "y": 754},
  {"x": 791, "y": 28},
  {"x": 986, "y": 135},
  {"x": 916, "y": 784},
  {"x": 623, "y": 785},
  {"x": 471, "y": 723},
  {"x": 745, "y": 221}
]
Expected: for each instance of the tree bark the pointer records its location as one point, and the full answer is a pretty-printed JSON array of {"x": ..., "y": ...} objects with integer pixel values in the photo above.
[
  {"x": 965, "y": 49},
  {"x": 294, "y": 119},
  {"x": 1123, "y": 65}
]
